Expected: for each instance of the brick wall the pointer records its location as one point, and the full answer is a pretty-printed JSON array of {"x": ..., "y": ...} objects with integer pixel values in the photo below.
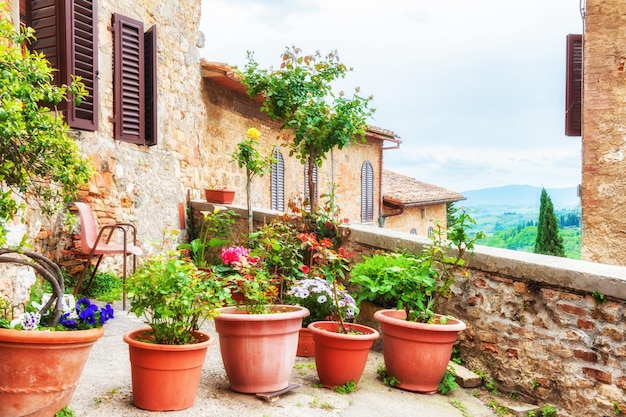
[
  {"x": 534, "y": 326},
  {"x": 604, "y": 123}
]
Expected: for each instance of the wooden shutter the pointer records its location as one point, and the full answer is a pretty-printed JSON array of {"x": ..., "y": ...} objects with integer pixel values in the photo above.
[
  {"x": 573, "y": 86},
  {"x": 367, "y": 193},
  {"x": 150, "y": 59},
  {"x": 277, "y": 182},
  {"x": 128, "y": 79},
  {"x": 67, "y": 35}
]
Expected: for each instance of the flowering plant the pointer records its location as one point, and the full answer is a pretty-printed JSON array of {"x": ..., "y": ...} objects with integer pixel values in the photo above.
[
  {"x": 248, "y": 156},
  {"x": 248, "y": 275},
  {"x": 318, "y": 295},
  {"x": 326, "y": 265},
  {"x": 85, "y": 315}
]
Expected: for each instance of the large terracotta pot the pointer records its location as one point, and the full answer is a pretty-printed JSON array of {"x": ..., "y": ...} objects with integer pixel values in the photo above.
[
  {"x": 259, "y": 350},
  {"x": 165, "y": 377},
  {"x": 39, "y": 370},
  {"x": 306, "y": 346},
  {"x": 341, "y": 358},
  {"x": 416, "y": 353}
]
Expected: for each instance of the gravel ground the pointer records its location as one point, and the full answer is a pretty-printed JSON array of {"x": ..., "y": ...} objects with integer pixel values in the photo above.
[{"x": 105, "y": 389}]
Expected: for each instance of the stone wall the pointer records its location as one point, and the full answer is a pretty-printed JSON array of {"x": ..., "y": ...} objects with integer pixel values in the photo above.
[
  {"x": 419, "y": 218},
  {"x": 604, "y": 123},
  {"x": 534, "y": 326}
]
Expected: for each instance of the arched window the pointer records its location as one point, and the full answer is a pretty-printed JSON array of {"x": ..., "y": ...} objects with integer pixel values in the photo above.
[
  {"x": 306, "y": 181},
  {"x": 367, "y": 193},
  {"x": 277, "y": 181}
]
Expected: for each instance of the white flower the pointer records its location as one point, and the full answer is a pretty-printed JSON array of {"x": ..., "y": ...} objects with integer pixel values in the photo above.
[
  {"x": 321, "y": 299},
  {"x": 29, "y": 321}
]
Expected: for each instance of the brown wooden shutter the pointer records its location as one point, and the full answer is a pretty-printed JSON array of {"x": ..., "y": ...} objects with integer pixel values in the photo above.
[
  {"x": 128, "y": 79},
  {"x": 150, "y": 58},
  {"x": 67, "y": 35},
  {"x": 277, "y": 181},
  {"x": 84, "y": 62},
  {"x": 573, "y": 86},
  {"x": 367, "y": 193}
]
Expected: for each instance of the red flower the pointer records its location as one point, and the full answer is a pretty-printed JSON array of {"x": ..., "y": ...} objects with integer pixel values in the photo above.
[{"x": 305, "y": 269}]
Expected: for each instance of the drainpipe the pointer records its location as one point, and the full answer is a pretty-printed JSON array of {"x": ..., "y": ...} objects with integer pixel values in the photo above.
[{"x": 399, "y": 210}]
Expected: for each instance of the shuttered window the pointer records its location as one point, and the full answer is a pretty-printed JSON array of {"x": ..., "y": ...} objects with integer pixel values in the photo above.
[
  {"x": 134, "y": 81},
  {"x": 67, "y": 34},
  {"x": 277, "y": 181},
  {"x": 367, "y": 193},
  {"x": 573, "y": 86}
]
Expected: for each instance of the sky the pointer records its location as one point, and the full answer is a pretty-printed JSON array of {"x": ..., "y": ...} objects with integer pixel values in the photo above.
[{"x": 475, "y": 90}]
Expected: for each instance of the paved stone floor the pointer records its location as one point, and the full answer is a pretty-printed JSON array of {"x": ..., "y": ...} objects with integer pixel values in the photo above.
[{"x": 105, "y": 389}]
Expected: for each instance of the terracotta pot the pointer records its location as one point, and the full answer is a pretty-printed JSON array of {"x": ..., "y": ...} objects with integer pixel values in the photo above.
[
  {"x": 39, "y": 370},
  {"x": 306, "y": 346},
  {"x": 416, "y": 353},
  {"x": 259, "y": 350},
  {"x": 341, "y": 358},
  {"x": 219, "y": 196},
  {"x": 165, "y": 377}
]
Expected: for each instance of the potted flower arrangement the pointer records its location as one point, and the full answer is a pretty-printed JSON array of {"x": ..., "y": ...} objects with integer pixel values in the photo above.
[
  {"x": 258, "y": 339},
  {"x": 417, "y": 342},
  {"x": 44, "y": 350},
  {"x": 174, "y": 297},
  {"x": 340, "y": 347}
]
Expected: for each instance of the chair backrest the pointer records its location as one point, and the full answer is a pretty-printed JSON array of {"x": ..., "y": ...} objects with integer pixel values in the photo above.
[{"x": 88, "y": 227}]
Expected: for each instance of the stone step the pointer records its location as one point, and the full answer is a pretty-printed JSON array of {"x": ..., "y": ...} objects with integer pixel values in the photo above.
[{"x": 464, "y": 377}]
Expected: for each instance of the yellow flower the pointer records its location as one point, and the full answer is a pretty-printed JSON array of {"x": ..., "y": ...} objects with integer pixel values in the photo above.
[{"x": 253, "y": 133}]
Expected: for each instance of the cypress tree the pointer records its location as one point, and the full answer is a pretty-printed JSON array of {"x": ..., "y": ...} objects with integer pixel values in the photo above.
[{"x": 548, "y": 240}]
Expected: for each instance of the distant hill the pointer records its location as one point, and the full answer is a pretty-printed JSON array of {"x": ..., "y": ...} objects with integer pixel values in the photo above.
[{"x": 519, "y": 195}]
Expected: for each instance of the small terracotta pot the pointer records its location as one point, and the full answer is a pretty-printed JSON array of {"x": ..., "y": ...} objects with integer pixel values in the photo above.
[
  {"x": 259, "y": 350},
  {"x": 306, "y": 346},
  {"x": 219, "y": 196},
  {"x": 339, "y": 357},
  {"x": 416, "y": 353},
  {"x": 39, "y": 370},
  {"x": 165, "y": 377}
]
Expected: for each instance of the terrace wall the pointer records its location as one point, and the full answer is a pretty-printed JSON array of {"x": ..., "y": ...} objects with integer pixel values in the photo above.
[{"x": 533, "y": 324}]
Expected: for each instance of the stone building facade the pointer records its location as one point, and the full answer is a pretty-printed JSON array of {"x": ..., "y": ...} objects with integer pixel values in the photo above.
[
  {"x": 147, "y": 170},
  {"x": 603, "y": 127}
]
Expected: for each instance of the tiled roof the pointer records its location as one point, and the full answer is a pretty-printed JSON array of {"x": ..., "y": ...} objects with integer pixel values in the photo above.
[{"x": 406, "y": 191}]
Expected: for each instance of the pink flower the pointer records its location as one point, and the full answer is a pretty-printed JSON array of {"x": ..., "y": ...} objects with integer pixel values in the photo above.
[{"x": 233, "y": 255}]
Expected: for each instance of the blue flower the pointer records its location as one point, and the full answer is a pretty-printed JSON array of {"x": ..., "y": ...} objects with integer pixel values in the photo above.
[
  {"x": 106, "y": 313},
  {"x": 68, "y": 323}
]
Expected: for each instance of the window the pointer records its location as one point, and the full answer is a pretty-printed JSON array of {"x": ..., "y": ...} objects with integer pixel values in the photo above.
[
  {"x": 367, "y": 193},
  {"x": 306, "y": 181},
  {"x": 277, "y": 181},
  {"x": 134, "y": 81},
  {"x": 67, "y": 35}
]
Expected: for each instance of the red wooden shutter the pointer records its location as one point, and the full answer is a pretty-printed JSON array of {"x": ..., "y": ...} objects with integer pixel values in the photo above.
[
  {"x": 128, "y": 79},
  {"x": 367, "y": 193},
  {"x": 150, "y": 58},
  {"x": 573, "y": 86}
]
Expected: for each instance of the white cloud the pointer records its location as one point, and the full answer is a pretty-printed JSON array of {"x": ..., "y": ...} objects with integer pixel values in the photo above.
[{"x": 480, "y": 82}]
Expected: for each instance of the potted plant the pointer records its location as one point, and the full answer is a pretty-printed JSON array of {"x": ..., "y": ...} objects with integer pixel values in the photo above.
[
  {"x": 219, "y": 195},
  {"x": 247, "y": 156},
  {"x": 417, "y": 342},
  {"x": 258, "y": 339},
  {"x": 215, "y": 230},
  {"x": 44, "y": 349},
  {"x": 174, "y": 297},
  {"x": 340, "y": 347}
]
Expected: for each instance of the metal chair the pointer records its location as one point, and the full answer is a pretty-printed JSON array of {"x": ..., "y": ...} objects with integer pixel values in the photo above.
[{"x": 95, "y": 242}]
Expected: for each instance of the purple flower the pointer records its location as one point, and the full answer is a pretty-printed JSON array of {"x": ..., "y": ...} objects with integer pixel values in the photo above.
[
  {"x": 68, "y": 323},
  {"x": 106, "y": 313}
]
